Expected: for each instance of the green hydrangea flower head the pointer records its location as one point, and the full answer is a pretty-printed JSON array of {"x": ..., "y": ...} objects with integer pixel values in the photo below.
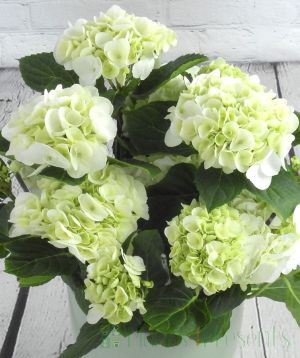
[
  {"x": 232, "y": 244},
  {"x": 69, "y": 128},
  {"x": 114, "y": 45},
  {"x": 207, "y": 248},
  {"x": 233, "y": 123},
  {"x": 115, "y": 288},
  {"x": 88, "y": 218}
]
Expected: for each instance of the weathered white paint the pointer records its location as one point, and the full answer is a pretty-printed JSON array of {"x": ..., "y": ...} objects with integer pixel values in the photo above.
[
  {"x": 45, "y": 330},
  {"x": 12, "y": 93},
  {"x": 267, "y": 30}
]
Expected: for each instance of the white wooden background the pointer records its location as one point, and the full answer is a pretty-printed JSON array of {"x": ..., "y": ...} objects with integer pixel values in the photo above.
[{"x": 268, "y": 330}]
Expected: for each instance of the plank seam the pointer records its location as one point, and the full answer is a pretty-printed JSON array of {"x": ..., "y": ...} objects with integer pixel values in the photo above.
[
  {"x": 8, "y": 347},
  {"x": 260, "y": 328}
]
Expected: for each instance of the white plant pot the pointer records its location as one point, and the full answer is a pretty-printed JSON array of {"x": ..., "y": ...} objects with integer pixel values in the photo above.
[{"x": 137, "y": 346}]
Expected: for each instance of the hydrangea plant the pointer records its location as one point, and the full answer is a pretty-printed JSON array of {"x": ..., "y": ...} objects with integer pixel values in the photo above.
[{"x": 155, "y": 191}]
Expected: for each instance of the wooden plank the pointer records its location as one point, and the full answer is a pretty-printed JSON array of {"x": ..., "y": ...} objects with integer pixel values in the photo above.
[
  {"x": 279, "y": 329},
  {"x": 12, "y": 93},
  {"x": 45, "y": 329}
]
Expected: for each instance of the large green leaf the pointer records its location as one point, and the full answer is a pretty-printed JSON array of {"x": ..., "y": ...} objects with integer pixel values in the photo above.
[
  {"x": 160, "y": 76},
  {"x": 283, "y": 195},
  {"x": 165, "y": 198},
  {"x": 147, "y": 126},
  {"x": 153, "y": 170},
  {"x": 34, "y": 280},
  {"x": 224, "y": 302},
  {"x": 32, "y": 256},
  {"x": 149, "y": 245},
  {"x": 286, "y": 289},
  {"x": 174, "y": 309},
  {"x": 165, "y": 340},
  {"x": 89, "y": 338},
  {"x": 214, "y": 329},
  {"x": 217, "y": 188},
  {"x": 61, "y": 175},
  {"x": 41, "y": 72}
]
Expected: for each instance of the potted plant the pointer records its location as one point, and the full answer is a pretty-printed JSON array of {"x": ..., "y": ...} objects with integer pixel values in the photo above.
[{"x": 161, "y": 194}]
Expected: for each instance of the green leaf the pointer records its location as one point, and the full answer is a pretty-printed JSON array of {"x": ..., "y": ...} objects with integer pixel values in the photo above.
[
  {"x": 224, "y": 302},
  {"x": 41, "y": 72},
  {"x": 286, "y": 289},
  {"x": 165, "y": 73},
  {"x": 100, "y": 86},
  {"x": 34, "y": 280},
  {"x": 32, "y": 256},
  {"x": 214, "y": 329},
  {"x": 77, "y": 286},
  {"x": 173, "y": 310},
  {"x": 61, "y": 175},
  {"x": 165, "y": 340},
  {"x": 165, "y": 198},
  {"x": 90, "y": 337},
  {"x": 126, "y": 329},
  {"x": 217, "y": 188},
  {"x": 283, "y": 195},
  {"x": 4, "y": 145},
  {"x": 3, "y": 252},
  {"x": 153, "y": 170},
  {"x": 5, "y": 211},
  {"x": 147, "y": 126},
  {"x": 149, "y": 245}
]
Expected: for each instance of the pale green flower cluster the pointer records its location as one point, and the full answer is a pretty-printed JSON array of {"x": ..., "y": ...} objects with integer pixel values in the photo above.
[
  {"x": 87, "y": 218},
  {"x": 233, "y": 123},
  {"x": 114, "y": 287},
  {"x": 68, "y": 128},
  {"x": 232, "y": 244},
  {"x": 113, "y": 45}
]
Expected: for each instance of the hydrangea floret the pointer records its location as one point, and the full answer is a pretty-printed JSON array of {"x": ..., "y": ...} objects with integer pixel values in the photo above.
[
  {"x": 69, "y": 128},
  {"x": 233, "y": 123},
  {"x": 114, "y": 45}
]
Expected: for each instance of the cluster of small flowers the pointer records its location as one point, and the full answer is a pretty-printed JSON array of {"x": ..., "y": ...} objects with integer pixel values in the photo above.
[
  {"x": 113, "y": 45},
  {"x": 232, "y": 244},
  {"x": 115, "y": 288},
  {"x": 68, "y": 128},
  {"x": 92, "y": 220},
  {"x": 233, "y": 123}
]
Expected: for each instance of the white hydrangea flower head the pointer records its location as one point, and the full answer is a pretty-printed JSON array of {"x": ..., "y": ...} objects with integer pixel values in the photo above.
[
  {"x": 233, "y": 123},
  {"x": 232, "y": 244},
  {"x": 115, "y": 289},
  {"x": 89, "y": 218},
  {"x": 112, "y": 45},
  {"x": 70, "y": 128},
  {"x": 279, "y": 253}
]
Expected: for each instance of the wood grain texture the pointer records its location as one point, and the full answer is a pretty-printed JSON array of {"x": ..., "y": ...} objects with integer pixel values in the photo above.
[
  {"x": 12, "y": 93},
  {"x": 45, "y": 329}
]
